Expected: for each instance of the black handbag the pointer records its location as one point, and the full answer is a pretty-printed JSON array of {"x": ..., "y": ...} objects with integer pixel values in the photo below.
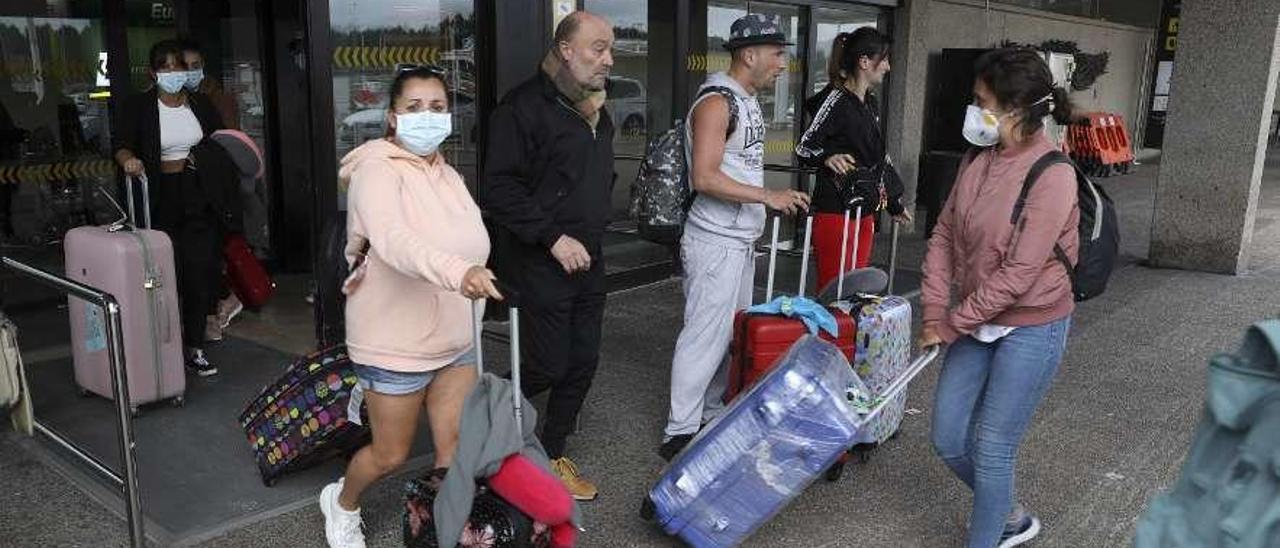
[{"x": 862, "y": 186}]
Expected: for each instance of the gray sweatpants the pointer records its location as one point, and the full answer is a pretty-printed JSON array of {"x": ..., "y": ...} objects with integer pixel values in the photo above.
[{"x": 717, "y": 283}]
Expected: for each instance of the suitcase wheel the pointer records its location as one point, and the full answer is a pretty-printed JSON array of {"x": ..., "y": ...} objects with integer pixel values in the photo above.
[
  {"x": 83, "y": 392},
  {"x": 835, "y": 472},
  {"x": 179, "y": 402},
  {"x": 863, "y": 451},
  {"x": 648, "y": 510},
  {"x": 133, "y": 412}
]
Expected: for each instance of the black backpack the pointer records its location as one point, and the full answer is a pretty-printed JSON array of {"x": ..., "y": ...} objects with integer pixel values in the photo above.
[
  {"x": 1099, "y": 229},
  {"x": 661, "y": 195}
]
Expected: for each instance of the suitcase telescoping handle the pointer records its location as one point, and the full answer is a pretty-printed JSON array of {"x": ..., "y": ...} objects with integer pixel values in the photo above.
[
  {"x": 900, "y": 384},
  {"x": 477, "y": 312},
  {"x": 146, "y": 200},
  {"x": 893, "y": 255},
  {"x": 773, "y": 256},
  {"x": 844, "y": 243}
]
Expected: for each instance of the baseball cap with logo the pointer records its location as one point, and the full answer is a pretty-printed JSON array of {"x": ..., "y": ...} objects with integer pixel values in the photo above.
[{"x": 754, "y": 30}]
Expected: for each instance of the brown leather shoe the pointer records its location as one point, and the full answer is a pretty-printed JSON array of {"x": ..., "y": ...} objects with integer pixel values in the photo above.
[{"x": 580, "y": 488}]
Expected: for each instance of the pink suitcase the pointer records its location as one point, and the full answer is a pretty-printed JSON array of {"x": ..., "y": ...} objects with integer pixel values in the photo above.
[{"x": 136, "y": 266}]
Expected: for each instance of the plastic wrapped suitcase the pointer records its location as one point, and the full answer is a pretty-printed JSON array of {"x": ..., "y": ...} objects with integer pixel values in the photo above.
[
  {"x": 245, "y": 274},
  {"x": 767, "y": 446},
  {"x": 759, "y": 340},
  {"x": 302, "y": 419},
  {"x": 136, "y": 266}
]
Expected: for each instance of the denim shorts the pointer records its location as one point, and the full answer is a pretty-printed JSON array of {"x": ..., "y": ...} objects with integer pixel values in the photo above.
[{"x": 399, "y": 383}]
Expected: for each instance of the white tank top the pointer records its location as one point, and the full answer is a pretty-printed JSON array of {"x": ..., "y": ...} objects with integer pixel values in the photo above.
[
  {"x": 179, "y": 131},
  {"x": 743, "y": 160}
]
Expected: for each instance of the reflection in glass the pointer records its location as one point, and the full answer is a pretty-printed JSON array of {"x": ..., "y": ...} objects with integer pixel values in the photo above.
[
  {"x": 371, "y": 37},
  {"x": 628, "y": 91},
  {"x": 54, "y": 133}
]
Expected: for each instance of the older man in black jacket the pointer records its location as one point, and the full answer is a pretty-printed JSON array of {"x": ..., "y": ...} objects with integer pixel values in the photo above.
[{"x": 548, "y": 177}]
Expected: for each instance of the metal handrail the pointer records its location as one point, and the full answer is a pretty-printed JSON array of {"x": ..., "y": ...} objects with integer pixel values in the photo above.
[{"x": 119, "y": 388}]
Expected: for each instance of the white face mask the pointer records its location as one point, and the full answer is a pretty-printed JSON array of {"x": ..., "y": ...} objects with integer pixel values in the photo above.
[
  {"x": 981, "y": 126},
  {"x": 422, "y": 132}
]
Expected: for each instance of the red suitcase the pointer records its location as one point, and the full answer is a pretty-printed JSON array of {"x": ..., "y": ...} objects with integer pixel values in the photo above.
[
  {"x": 759, "y": 340},
  {"x": 245, "y": 274}
]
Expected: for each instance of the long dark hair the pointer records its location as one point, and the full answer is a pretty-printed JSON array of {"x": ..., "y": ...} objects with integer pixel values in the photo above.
[
  {"x": 1020, "y": 79},
  {"x": 162, "y": 50},
  {"x": 850, "y": 47}
]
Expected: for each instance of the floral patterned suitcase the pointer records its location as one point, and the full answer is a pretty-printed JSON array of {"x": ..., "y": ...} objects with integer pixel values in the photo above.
[{"x": 882, "y": 353}]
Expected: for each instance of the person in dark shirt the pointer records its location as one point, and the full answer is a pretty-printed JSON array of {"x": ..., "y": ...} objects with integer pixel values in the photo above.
[
  {"x": 547, "y": 182},
  {"x": 157, "y": 132},
  {"x": 845, "y": 143}
]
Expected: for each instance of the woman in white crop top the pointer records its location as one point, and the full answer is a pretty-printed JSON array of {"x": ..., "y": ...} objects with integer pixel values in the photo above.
[{"x": 156, "y": 134}]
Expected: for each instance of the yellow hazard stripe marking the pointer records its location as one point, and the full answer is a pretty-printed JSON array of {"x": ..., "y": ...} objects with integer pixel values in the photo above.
[{"x": 59, "y": 171}]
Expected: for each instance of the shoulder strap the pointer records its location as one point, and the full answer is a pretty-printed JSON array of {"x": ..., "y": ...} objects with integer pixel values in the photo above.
[
  {"x": 1050, "y": 158},
  {"x": 730, "y": 97}
]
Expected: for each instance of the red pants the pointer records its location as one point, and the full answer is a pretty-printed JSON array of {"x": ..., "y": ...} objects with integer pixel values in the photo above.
[{"x": 826, "y": 244}]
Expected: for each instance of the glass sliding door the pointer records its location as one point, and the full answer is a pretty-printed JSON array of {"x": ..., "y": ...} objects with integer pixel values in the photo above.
[
  {"x": 628, "y": 90},
  {"x": 827, "y": 24},
  {"x": 371, "y": 38},
  {"x": 55, "y": 135},
  {"x": 780, "y": 103},
  {"x": 639, "y": 87}
]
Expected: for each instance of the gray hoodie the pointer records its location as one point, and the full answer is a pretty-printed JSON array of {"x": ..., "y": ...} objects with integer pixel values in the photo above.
[{"x": 488, "y": 434}]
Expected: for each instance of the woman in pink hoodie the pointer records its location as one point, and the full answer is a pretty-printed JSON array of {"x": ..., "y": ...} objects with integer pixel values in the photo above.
[
  {"x": 416, "y": 246},
  {"x": 1013, "y": 300}
]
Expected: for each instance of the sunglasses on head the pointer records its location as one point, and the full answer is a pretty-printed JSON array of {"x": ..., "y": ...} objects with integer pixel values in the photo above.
[{"x": 410, "y": 67}]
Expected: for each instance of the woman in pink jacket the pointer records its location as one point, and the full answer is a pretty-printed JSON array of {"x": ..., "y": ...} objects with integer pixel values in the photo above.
[
  {"x": 417, "y": 247},
  {"x": 1013, "y": 302}
]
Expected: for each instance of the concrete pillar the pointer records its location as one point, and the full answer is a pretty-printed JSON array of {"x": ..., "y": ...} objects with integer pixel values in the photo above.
[
  {"x": 1223, "y": 88},
  {"x": 906, "y": 93}
]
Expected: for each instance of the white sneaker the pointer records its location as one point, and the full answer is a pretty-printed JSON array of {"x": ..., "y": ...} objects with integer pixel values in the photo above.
[
  {"x": 1021, "y": 534},
  {"x": 228, "y": 309},
  {"x": 341, "y": 527}
]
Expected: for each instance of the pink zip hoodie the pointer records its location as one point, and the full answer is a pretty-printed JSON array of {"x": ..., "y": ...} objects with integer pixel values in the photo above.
[
  {"x": 424, "y": 230},
  {"x": 1006, "y": 275}
]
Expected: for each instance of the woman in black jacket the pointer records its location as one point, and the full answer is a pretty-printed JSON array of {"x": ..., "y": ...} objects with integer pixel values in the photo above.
[
  {"x": 845, "y": 143},
  {"x": 157, "y": 131}
]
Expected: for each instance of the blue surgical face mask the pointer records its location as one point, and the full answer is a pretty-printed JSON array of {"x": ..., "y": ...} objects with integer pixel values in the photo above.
[
  {"x": 171, "y": 82},
  {"x": 422, "y": 132},
  {"x": 194, "y": 77}
]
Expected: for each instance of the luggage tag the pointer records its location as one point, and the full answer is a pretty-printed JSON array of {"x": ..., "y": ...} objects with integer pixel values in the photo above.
[
  {"x": 353, "y": 406},
  {"x": 862, "y": 399}
]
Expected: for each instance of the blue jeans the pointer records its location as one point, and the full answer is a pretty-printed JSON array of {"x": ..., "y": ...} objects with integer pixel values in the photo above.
[{"x": 987, "y": 394}]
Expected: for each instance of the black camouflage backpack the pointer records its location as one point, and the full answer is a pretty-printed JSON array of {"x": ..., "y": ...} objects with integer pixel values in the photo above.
[{"x": 661, "y": 195}]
